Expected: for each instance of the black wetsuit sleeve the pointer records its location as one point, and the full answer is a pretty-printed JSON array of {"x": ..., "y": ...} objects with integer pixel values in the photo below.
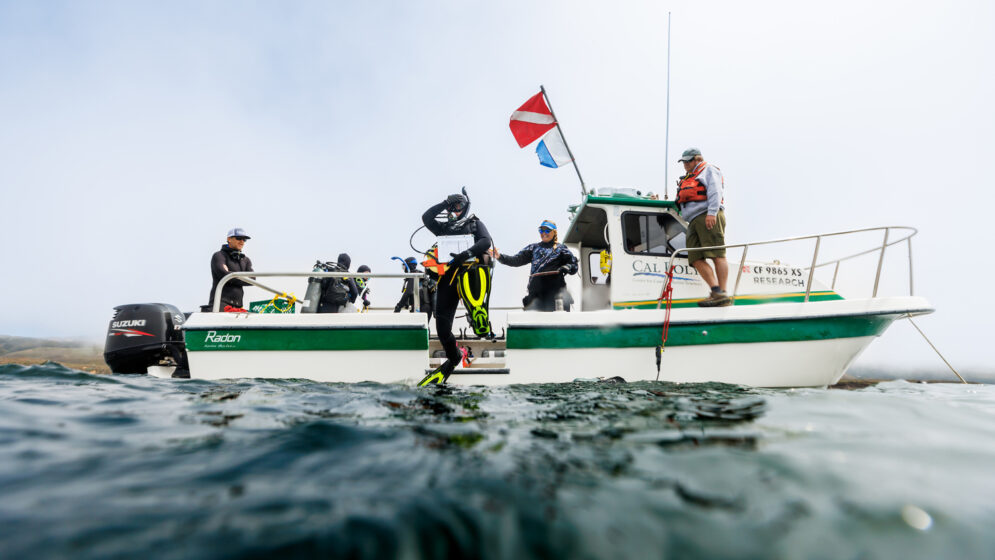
[
  {"x": 248, "y": 268},
  {"x": 353, "y": 289},
  {"x": 428, "y": 218},
  {"x": 523, "y": 257},
  {"x": 567, "y": 258},
  {"x": 482, "y": 240},
  {"x": 219, "y": 269}
]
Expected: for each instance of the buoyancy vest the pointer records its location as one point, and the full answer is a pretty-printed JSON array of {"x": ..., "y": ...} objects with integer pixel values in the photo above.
[{"x": 690, "y": 190}]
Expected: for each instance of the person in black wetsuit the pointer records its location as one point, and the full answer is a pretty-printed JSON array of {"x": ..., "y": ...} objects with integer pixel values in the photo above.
[
  {"x": 425, "y": 292},
  {"x": 362, "y": 284},
  {"x": 229, "y": 259},
  {"x": 550, "y": 262},
  {"x": 336, "y": 293},
  {"x": 459, "y": 222}
]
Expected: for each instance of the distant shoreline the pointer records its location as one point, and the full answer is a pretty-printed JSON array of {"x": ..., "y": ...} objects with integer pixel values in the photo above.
[
  {"x": 87, "y": 366},
  {"x": 84, "y": 356}
]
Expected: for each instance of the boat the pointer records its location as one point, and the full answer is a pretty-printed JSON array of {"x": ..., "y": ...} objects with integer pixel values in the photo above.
[{"x": 786, "y": 327}]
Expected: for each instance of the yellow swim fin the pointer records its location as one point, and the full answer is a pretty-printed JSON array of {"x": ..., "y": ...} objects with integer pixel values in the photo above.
[{"x": 439, "y": 375}]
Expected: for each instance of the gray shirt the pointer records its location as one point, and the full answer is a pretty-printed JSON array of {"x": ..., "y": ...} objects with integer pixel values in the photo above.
[{"x": 712, "y": 179}]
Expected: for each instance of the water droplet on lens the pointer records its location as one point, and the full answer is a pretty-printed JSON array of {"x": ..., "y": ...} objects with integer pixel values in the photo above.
[{"x": 916, "y": 517}]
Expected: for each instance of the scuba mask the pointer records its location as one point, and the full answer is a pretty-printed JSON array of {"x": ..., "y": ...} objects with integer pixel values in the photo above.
[{"x": 459, "y": 206}]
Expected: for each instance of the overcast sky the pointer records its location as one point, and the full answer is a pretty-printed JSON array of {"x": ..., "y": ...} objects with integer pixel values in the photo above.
[{"x": 133, "y": 135}]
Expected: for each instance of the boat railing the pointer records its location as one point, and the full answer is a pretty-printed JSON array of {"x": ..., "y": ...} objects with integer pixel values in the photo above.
[
  {"x": 905, "y": 235},
  {"x": 250, "y": 278}
]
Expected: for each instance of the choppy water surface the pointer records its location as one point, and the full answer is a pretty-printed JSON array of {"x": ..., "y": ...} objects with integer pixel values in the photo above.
[{"x": 98, "y": 466}]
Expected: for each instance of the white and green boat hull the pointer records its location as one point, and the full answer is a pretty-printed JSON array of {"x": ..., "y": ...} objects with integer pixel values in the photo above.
[
  {"x": 777, "y": 345},
  {"x": 347, "y": 347}
]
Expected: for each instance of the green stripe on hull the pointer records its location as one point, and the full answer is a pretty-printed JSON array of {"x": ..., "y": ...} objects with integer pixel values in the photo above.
[
  {"x": 306, "y": 339},
  {"x": 638, "y": 336},
  {"x": 740, "y": 300}
]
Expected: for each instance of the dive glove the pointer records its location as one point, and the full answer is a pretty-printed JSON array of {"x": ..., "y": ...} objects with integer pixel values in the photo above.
[
  {"x": 455, "y": 200},
  {"x": 460, "y": 258}
]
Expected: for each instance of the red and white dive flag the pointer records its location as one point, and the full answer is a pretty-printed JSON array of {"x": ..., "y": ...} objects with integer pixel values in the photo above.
[{"x": 531, "y": 120}]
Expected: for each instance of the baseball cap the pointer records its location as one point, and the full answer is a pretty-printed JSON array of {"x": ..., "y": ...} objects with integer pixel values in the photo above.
[
  {"x": 689, "y": 154},
  {"x": 238, "y": 232},
  {"x": 548, "y": 224}
]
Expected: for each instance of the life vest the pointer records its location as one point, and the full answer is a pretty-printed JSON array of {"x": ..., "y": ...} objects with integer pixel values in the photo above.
[{"x": 690, "y": 190}]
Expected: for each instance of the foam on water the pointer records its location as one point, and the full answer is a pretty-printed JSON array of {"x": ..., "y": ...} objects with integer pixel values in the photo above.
[{"x": 98, "y": 466}]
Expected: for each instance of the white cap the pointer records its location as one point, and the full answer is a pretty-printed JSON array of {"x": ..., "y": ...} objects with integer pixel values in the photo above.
[{"x": 238, "y": 232}]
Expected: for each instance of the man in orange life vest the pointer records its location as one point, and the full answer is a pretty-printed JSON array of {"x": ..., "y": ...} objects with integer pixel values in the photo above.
[{"x": 700, "y": 197}]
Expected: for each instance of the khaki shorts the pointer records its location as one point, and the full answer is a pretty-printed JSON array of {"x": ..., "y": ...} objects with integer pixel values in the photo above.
[{"x": 700, "y": 236}]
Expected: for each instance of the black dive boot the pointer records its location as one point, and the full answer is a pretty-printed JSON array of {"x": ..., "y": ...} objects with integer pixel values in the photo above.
[{"x": 439, "y": 375}]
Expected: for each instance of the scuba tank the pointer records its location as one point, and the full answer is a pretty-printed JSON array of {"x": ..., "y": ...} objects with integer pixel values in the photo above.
[{"x": 313, "y": 294}]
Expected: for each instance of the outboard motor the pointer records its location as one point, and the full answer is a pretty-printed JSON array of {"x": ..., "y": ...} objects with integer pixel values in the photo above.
[{"x": 146, "y": 334}]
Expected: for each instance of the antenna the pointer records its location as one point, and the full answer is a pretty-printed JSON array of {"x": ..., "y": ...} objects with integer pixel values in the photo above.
[{"x": 666, "y": 142}]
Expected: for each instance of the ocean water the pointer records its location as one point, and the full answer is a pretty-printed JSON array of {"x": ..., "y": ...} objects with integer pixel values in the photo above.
[{"x": 96, "y": 466}]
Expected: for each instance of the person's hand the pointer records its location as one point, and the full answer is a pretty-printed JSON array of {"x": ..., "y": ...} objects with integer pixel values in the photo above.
[
  {"x": 494, "y": 253},
  {"x": 710, "y": 221},
  {"x": 455, "y": 199},
  {"x": 564, "y": 270},
  {"x": 460, "y": 258}
]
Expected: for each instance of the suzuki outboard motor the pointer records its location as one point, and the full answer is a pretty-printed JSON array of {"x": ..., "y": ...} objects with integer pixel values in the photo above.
[{"x": 146, "y": 334}]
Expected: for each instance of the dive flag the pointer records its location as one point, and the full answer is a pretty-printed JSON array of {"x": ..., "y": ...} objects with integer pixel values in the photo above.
[
  {"x": 552, "y": 151},
  {"x": 531, "y": 120}
]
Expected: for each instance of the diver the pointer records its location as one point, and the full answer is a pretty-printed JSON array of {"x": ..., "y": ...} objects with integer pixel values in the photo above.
[
  {"x": 551, "y": 261},
  {"x": 426, "y": 290},
  {"x": 459, "y": 222},
  {"x": 337, "y": 293},
  {"x": 363, "y": 285}
]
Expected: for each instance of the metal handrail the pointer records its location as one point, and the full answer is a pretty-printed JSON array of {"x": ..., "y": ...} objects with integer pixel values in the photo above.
[
  {"x": 249, "y": 277},
  {"x": 815, "y": 254}
]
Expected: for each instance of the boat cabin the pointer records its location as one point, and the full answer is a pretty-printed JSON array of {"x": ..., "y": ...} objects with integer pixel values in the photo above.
[{"x": 624, "y": 241}]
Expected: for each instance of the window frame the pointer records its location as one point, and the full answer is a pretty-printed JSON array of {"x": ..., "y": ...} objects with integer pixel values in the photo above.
[{"x": 647, "y": 253}]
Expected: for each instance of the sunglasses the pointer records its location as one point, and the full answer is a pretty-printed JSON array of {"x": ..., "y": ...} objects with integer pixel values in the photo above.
[
  {"x": 241, "y": 238},
  {"x": 544, "y": 230}
]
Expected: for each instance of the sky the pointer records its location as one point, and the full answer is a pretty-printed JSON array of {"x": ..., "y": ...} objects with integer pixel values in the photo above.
[{"x": 133, "y": 135}]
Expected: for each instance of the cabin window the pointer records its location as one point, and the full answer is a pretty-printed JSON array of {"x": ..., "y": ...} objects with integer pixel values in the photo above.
[{"x": 652, "y": 233}]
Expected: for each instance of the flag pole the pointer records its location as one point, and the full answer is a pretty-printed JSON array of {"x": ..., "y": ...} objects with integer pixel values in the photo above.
[
  {"x": 583, "y": 189},
  {"x": 666, "y": 142}
]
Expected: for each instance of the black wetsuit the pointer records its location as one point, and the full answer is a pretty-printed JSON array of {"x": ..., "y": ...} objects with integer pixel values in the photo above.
[
  {"x": 543, "y": 290},
  {"x": 329, "y": 302},
  {"x": 426, "y": 295},
  {"x": 446, "y": 296},
  {"x": 224, "y": 261}
]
